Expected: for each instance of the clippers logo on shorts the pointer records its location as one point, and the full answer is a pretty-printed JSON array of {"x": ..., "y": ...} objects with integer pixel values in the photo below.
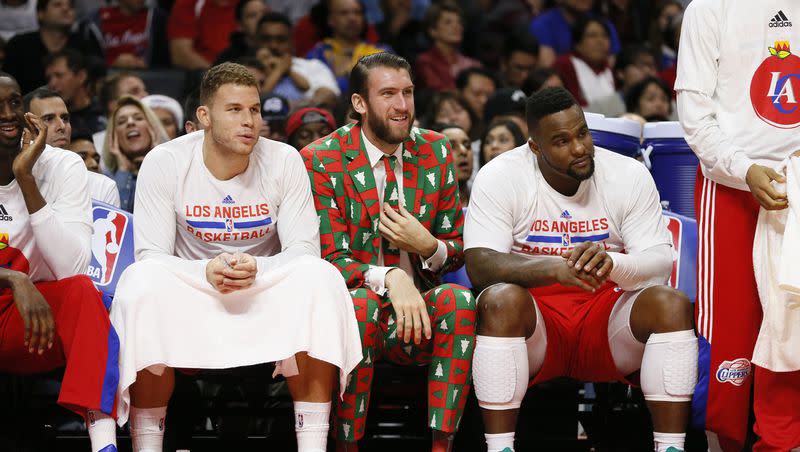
[
  {"x": 228, "y": 221},
  {"x": 734, "y": 372},
  {"x": 555, "y": 236},
  {"x": 109, "y": 231},
  {"x": 775, "y": 86},
  {"x": 4, "y": 216}
]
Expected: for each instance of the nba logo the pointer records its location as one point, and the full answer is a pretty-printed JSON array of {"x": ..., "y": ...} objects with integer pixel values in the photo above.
[
  {"x": 565, "y": 240},
  {"x": 109, "y": 230},
  {"x": 228, "y": 225}
]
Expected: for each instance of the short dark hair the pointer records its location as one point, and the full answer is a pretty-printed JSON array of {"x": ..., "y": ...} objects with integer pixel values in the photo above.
[
  {"x": 630, "y": 53},
  {"x": 239, "y": 10},
  {"x": 636, "y": 91},
  {"x": 545, "y": 103},
  {"x": 41, "y": 92},
  {"x": 275, "y": 18},
  {"x": 520, "y": 42},
  {"x": 223, "y": 74},
  {"x": 435, "y": 11},
  {"x": 359, "y": 75},
  {"x": 190, "y": 106},
  {"x": 75, "y": 60},
  {"x": 41, "y": 5},
  {"x": 537, "y": 79},
  {"x": 462, "y": 79},
  {"x": 81, "y": 133},
  {"x": 580, "y": 26}
]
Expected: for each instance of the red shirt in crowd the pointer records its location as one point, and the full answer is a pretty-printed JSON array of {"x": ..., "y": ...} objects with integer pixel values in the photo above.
[
  {"x": 125, "y": 34},
  {"x": 209, "y": 23}
]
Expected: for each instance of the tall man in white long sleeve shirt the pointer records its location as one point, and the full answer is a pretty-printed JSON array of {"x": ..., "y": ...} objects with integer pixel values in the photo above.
[
  {"x": 51, "y": 316},
  {"x": 571, "y": 250},
  {"x": 228, "y": 271},
  {"x": 738, "y": 82}
]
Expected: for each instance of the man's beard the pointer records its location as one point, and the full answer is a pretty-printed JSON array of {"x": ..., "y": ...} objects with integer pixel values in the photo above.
[
  {"x": 382, "y": 130},
  {"x": 582, "y": 176}
]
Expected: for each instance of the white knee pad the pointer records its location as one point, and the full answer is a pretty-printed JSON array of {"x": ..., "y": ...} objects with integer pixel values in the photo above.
[
  {"x": 500, "y": 372},
  {"x": 669, "y": 367}
]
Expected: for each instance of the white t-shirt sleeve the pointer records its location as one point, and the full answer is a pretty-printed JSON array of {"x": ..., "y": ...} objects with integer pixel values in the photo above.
[
  {"x": 104, "y": 189},
  {"x": 154, "y": 214},
  {"x": 490, "y": 220},
  {"x": 297, "y": 221},
  {"x": 63, "y": 227}
]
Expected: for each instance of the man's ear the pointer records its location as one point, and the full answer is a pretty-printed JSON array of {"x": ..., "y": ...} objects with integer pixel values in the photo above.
[
  {"x": 359, "y": 104},
  {"x": 534, "y": 146},
  {"x": 204, "y": 116}
]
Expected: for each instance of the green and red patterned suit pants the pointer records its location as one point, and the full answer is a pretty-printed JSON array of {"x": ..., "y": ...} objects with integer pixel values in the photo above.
[{"x": 448, "y": 353}]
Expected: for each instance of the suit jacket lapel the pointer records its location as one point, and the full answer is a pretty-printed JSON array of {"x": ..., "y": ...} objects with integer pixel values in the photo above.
[
  {"x": 360, "y": 171},
  {"x": 412, "y": 173}
]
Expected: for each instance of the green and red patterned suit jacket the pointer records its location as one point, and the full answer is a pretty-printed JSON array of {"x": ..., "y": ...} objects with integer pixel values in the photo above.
[{"x": 348, "y": 204}]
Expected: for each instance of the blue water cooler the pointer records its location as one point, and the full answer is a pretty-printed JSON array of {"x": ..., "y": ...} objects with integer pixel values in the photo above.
[
  {"x": 615, "y": 134},
  {"x": 673, "y": 164}
]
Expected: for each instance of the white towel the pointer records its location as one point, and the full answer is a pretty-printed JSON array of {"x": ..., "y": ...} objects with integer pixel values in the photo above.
[{"x": 775, "y": 249}]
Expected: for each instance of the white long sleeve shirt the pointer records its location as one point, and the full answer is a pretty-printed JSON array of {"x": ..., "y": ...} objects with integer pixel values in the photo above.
[
  {"x": 185, "y": 216},
  {"x": 738, "y": 103},
  {"x": 52, "y": 243}
]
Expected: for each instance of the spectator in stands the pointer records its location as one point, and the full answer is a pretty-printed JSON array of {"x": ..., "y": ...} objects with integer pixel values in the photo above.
[
  {"x": 256, "y": 68},
  {"x": 117, "y": 85},
  {"x": 198, "y": 31},
  {"x": 672, "y": 38},
  {"x": 476, "y": 85},
  {"x": 663, "y": 37},
  {"x": 292, "y": 77},
  {"x": 585, "y": 71},
  {"x": 190, "y": 108},
  {"x": 169, "y": 112},
  {"x": 19, "y": 16},
  {"x": 463, "y": 160},
  {"x": 244, "y": 41},
  {"x": 650, "y": 99},
  {"x": 133, "y": 34},
  {"x": 68, "y": 74},
  {"x": 342, "y": 49},
  {"x": 502, "y": 135},
  {"x": 274, "y": 110},
  {"x": 437, "y": 68},
  {"x": 635, "y": 63},
  {"x": 307, "y": 125},
  {"x": 83, "y": 145},
  {"x": 553, "y": 29},
  {"x": 133, "y": 130},
  {"x": 401, "y": 29},
  {"x": 541, "y": 78},
  {"x": 315, "y": 26},
  {"x": 52, "y": 316},
  {"x": 25, "y": 53},
  {"x": 520, "y": 57},
  {"x": 507, "y": 103},
  {"x": 448, "y": 107}
]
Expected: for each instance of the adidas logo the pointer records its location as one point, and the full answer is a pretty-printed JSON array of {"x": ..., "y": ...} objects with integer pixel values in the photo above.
[
  {"x": 228, "y": 200},
  {"x": 565, "y": 214},
  {"x": 4, "y": 216},
  {"x": 779, "y": 21}
]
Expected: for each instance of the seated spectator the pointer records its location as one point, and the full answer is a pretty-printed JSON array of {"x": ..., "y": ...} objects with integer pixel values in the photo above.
[
  {"x": 83, "y": 145},
  {"x": 553, "y": 30},
  {"x": 634, "y": 63},
  {"x": 292, "y": 77},
  {"x": 274, "y": 110},
  {"x": 476, "y": 84},
  {"x": 133, "y": 130},
  {"x": 507, "y": 103},
  {"x": 502, "y": 135},
  {"x": 437, "y": 68},
  {"x": 314, "y": 26},
  {"x": 25, "y": 53},
  {"x": 448, "y": 107},
  {"x": 585, "y": 71},
  {"x": 244, "y": 41},
  {"x": 117, "y": 85},
  {"x": 463, "y": 160},
  {"x": 67, "y": 73},
  {"x": 346, "y": 45},
  {"x": 672, "y": 39},
  {"x": 650, "y": 99},
  {"x": 540, "y": 79},
  {"x": 19, "y": 16},
  {"x": 133, "y": 34},
  {"x": 198, "y": 31},
  {"x": 255, "y": 67},
  {"x": 169, "y": 112},
  {"x": 662, "y": 33},
  {"x": 401, "y": 29},
  {"x": 190, "y": 105},
  {"x": 307, "y": 125},
  {"x": 519, "y": 59}
]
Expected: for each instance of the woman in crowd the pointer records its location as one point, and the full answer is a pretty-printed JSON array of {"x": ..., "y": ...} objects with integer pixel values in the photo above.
[
  {"x": 586, "y": 71},
  {"x": 463, "y": 159},
  {"x": 169, "y": 112},
  {"x": 501, "y": 135},
  {"x": 448, "y": 107},
  {"x": 651, "y": 99},
  {"x": 133, "y": 130}
]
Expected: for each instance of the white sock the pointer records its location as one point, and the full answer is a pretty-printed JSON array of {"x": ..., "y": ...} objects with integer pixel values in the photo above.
[
  {"x": 311, "y": 425},
  {"x": 147, "y": 428},
  {"x": 499, "y": 442},
  {"x": 102, "y": 431},
  {"x": 664, "y": 441}
]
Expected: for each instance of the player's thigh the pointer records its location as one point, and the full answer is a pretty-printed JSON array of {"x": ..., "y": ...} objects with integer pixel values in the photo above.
[{"x": 626, "y": 350}]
